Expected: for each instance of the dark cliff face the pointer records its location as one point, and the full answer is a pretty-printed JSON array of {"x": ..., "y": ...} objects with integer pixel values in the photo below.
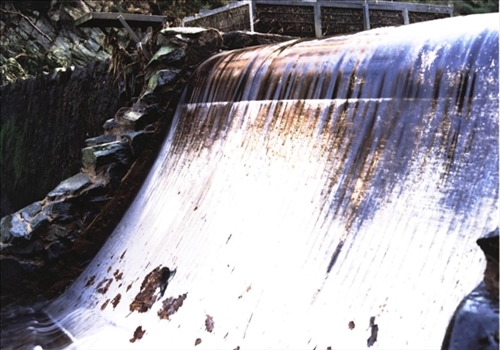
[{"x": 44, "y": 123}]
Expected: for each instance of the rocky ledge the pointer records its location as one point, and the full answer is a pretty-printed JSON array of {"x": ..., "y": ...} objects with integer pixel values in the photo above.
[{"x": 46, "y": 244}]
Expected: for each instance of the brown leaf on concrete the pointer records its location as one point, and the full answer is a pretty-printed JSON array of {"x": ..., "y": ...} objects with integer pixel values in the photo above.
[
  {"x": 103, "y": 286},
  {"x": 103, "y": 306},
  {"x": 146, "y": 296},
  {"x": 90, "y": 281},
  {"x": 118, "y": 275},
  {"x": 209, "y": 323},
  {"x": 170, "y": 306},
  {"x": 138, "y": 334},
  {"x": 116, "y": 300}
]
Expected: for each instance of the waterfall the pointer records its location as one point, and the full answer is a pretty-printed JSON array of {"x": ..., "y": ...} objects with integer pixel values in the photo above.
[{"x": 307, "y": 185}]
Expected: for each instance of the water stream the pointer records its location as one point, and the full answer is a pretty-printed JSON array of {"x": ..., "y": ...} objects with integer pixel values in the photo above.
[{"x": 305, "y": 185}]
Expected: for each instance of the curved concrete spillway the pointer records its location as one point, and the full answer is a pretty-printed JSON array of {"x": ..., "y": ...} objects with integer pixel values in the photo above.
[{"x": 305, "y": 188}]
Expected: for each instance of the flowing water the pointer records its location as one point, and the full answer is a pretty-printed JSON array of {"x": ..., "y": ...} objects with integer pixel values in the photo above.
[{"x": 305, "y": 185}]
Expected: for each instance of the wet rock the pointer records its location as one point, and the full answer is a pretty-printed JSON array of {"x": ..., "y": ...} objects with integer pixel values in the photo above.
[
  {"x": 475, "y": 323},
  {"x": 99, "y": 140},
  {"x": 138, "y": 141},
  {"x": 5, "y": 231},
  {"x": 23, "y": 248},
  {"x": 114, "y": 173},
  {"x": 11, "y": 227},
  {"x": 162, "y": 78},
  {"x": 490, "y": 246},
  {"x": 135, "y": 117},
  {"x": 55, "y": 233},
  {"x": 54, "y": 250},
  {"x": 105, "y": 154},
  {"x": 167, "y": 55},
  {"x": 203, "y": 45},
  {"x": 56, "y": 208},
  {"x": 69, "y": 186},
  {"x": 185, "y": 44},
  {"x": 27, "y": 213},
  {"x": 38, "y": 223},
  {"x": 177, "y": 34},
  {"x": 112, "y": 127}
]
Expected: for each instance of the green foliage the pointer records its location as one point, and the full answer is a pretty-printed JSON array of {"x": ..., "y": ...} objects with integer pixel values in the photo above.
[{"x": 469, "y": 7}]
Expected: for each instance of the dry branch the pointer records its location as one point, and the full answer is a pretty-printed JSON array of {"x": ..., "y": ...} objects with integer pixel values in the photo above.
[{"x": 30, "y": 22}]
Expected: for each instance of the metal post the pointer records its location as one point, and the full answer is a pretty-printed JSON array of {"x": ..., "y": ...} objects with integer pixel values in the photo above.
[
  {"x": 251, "y": 9},
  {"x": 406, "y": 18},
  {"x": 317, "y": 21},
  {"x": 366, "y": 16}
]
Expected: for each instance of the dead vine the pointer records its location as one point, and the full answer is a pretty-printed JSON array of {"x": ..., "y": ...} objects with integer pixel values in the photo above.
[{"x": 30, "y": 22}]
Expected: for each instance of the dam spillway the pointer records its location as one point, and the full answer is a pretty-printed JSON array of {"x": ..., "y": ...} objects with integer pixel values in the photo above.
[{"x": 306, "y": 185}]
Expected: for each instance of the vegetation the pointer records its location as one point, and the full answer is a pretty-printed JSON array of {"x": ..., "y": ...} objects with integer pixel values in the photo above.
[{"x": 464, "y": 7}]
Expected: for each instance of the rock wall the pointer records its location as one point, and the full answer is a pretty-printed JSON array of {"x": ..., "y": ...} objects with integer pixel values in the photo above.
[
  {"x": 40, "y": 36},
  {"x": 44, "y": 123},
  {"x": 47, "y": 243}
]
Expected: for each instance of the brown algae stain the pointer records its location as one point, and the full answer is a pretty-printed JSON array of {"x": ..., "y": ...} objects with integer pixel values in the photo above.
[
  {"x": 116, "y": 300},
  {"x": 138, "y": 334},
  {"x": 103, "y": 286},
  {"x": 118, "y": 275},
  {"x": 170, "y": 306},
  {"x": 103, "y": 306},
  {"x": 90, "y": 281},
  {"x": 209, "y": 324}
]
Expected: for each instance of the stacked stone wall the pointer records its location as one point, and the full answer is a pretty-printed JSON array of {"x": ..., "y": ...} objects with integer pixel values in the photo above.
[
  {"x": 237, "y": 18},
  {"x": 44, "y": 123},
  {"x": 285, "y": 20},
  {"x": 337, "y": 20}
]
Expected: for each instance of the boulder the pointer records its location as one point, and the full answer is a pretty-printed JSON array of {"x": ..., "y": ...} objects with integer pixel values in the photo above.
[
  {"x": 474, "y": 325},
  {"x": 27, "y": 213},
  {"x": 490, "y": 246},
  {"x": 138, "y": 141},
  {"x": 137, "y": 116},
  {"x": 167, "y": 55},
  {"x": 105, "y": 154},
  {"x": 163, "y": 77},
  {"x": 112, "y": 127},
  {"x": 98, "y": 140},
  {"x": 69, "y": 186},
  {"x": 180, "y": 43},
  {"x": 13, "y": 226}
]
